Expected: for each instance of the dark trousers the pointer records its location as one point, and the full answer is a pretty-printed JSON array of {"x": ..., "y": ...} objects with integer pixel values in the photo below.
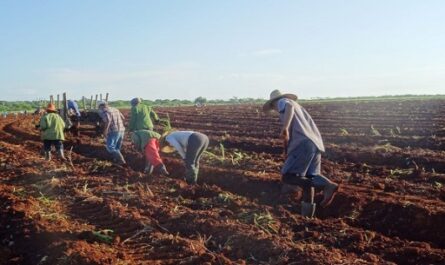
[
  {"x": 196, "y": 145},
  {"x": 48, "y": 143}
]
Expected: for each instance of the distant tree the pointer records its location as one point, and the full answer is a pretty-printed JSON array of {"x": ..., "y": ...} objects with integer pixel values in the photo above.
[{"x": 200, "y": 100}]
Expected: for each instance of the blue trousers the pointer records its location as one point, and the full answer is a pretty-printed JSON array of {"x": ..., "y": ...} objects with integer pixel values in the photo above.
[
  {"x": 303, "y": 168},
  {"x": 114, "y": 142}
]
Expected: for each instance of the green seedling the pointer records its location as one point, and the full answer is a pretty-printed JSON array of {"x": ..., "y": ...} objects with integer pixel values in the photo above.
[
  {"x": 100, "y": 165},
  {"x": 343, "y": 132},
  {"x": 104, "y": 236},
  {"x": 46, "y": 201},
  {"x": 437, "y": 185},
  {"x": 262, "y": 220},
  {"x": 85, "y": 187},
  {"x": 223, "y": 153},
  {"x": 374, "y": 131},
  {"x": 225, "y": 197}
]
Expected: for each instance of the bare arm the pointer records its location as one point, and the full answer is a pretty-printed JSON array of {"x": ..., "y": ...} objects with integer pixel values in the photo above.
[{"x": 289, "y": 110}]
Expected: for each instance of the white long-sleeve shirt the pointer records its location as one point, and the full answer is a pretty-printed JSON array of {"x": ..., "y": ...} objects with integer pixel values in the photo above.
[{"x": 179, "y": 141}]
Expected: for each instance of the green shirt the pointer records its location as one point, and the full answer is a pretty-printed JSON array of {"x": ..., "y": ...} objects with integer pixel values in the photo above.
[
  {"x": 141, "y": 116},
  {"x": 140, "y": 138},
  {"x": 52, "y": 126}
]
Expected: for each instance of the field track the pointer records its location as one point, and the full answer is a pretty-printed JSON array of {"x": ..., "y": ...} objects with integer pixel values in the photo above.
[{"x": 389, "y": 157}]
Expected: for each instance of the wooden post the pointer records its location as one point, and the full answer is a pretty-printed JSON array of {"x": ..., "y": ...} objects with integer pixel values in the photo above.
[
  {"x": 84, "y": 104},
  {"x": 106, "y": 97},
  {"x": 65, "y": 107},
  {"x": 91, "y": 102},
  {"x": 51, "y": 99},
  {"x": 100, "y": 97},
  {"x": 58, "y": 101},
  {"x": 95, "y": 103}
]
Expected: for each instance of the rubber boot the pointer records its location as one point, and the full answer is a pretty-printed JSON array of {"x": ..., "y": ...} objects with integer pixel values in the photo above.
[
  {"x": 61, "y": 154},
  {"x": 148, "y": 168},
  {"x": 191, "y": 175},
  {"x": 329, "y": 192},
  {"x": 120, "y": 158},
  {"x": 48, "y": 155},
  {"x": 307, "y": 209},
  {"x": 161, "y": 169}
]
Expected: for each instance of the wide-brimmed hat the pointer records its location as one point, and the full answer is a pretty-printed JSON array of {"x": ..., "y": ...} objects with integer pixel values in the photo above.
[
  {"x": 51, "y": 107},
  {"x": 276, "y": 95},
  {"x": 166, "y": 148}
]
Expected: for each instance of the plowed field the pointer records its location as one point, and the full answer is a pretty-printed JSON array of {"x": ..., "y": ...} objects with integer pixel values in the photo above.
[{"x": 389, "y": 157}]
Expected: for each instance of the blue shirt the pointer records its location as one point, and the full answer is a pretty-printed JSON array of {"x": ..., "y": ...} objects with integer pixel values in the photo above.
[{"x": 73, "y": 105}]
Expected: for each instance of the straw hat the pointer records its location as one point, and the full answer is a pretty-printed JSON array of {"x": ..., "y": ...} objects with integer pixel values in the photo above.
[
  {"x": 166, "y": 148},
  {"x": 51, "y": 107},
  {"x": 276, "y": 95}
]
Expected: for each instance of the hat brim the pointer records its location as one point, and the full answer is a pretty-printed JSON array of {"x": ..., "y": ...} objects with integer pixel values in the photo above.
[
  {"x": 268, "y": 105},
  {"x": 168, "y": 149}
]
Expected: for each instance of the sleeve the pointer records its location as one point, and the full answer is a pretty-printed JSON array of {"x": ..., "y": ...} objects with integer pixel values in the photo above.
[
  {"x": 282, "y": 103},
  {"x": 175, "y": 143},
  {"x": 43, "y": 123},
  {"x": 154, "y": 115},
  {"x": 76, "y": 108},
  {"x": 132, "y": 124},
  {"x": 62, "y": 122}
]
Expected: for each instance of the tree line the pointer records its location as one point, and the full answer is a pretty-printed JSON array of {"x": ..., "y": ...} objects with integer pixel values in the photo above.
[{"x": 32, "y": 105}]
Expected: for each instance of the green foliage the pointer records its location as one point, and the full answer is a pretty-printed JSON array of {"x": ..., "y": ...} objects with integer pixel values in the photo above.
[
  {"x": 200, "y": 100},
  {"x": 19, "y": 105},
  {"x": 104, "y": 236}
]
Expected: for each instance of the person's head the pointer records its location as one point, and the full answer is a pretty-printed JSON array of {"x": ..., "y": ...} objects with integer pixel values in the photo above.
[
  {"x": 51, "y": 108},
  {"x": 275, "y": 96},
  {"x": 102, "y": 105},
  {"x": 135, "y": 101}
]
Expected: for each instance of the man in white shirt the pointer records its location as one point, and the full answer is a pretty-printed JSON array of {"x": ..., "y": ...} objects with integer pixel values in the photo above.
[
  {"x": 190, "y": 145},
  {"x": 303, "y": 148}
]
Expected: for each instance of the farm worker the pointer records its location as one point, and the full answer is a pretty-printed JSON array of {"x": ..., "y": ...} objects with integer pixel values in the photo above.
[
  {"x": 52, "y": 126},
  {"x": 74, "y": 114},
  {"x": 303, "y": 147},
  {"x": 190, "y": 146},
  {"x": 147, "y": 142},
  {"x": 113, "y": 130},
  {"x": 73, "y": 107},
  {"x": 141, "y": 116}
]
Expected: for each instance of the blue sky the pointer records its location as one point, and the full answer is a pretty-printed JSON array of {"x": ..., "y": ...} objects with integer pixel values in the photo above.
[{"x": 221, "y": 49}]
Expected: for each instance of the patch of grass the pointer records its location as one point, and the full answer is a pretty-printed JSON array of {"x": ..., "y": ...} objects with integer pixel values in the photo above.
[
  {"x": 386, "y": 148},
  {"x": 104, "y": 236},
  {"x": 99, "y": 165},
  {"x": 344, "y": 132},
  {"x": 374, "y": 131},
  {"x": 225, "y": 197},
  {"x": 262, "y": 220},
  {"x": 19, "y": 192}
]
